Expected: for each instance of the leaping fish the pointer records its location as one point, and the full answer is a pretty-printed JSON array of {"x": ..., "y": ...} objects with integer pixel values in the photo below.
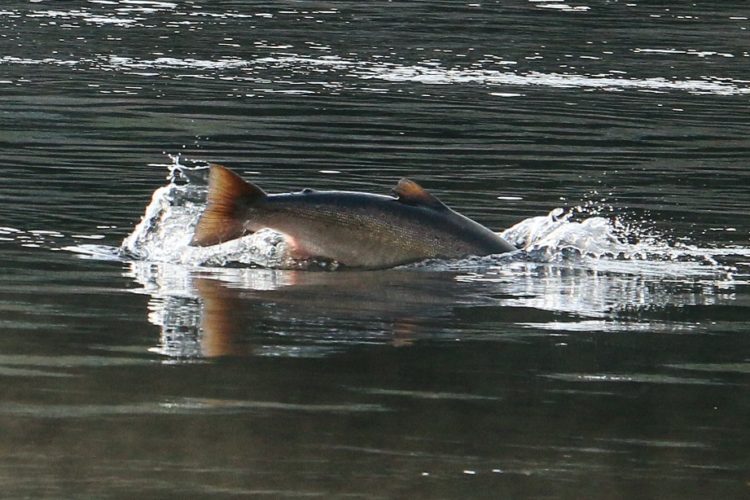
[{"x": 354, "y": 229}]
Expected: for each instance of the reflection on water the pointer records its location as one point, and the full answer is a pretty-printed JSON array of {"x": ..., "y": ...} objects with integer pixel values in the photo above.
[
  {"x": 306, "y": 60},
  {"x": 220, "y": 312},
  {"x": 185, "y": 406},
  {"x": 210, "y": 313}
]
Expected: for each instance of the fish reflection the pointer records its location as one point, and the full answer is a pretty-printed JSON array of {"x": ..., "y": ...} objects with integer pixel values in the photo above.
[
  {"x": 219, "y": 326},
  {"x": 223, "y": 317},
  {"x": 240, "y": 312},
  {"x": 265, "y": 312}
]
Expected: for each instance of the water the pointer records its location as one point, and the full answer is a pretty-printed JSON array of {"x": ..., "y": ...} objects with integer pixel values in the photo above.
[{"x": 608, "y": 358}]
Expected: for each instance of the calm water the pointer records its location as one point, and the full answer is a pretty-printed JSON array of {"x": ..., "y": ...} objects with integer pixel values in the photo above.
[{"x": 609, "y": 358}]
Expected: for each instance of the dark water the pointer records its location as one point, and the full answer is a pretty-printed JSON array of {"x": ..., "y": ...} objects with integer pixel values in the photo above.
[{"x": 571, "y": 370}]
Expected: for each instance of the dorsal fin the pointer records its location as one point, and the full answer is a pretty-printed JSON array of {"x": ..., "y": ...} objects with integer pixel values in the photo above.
[
  {"x": 411, "y": 193},
  {"x": 228, "y": 197}
]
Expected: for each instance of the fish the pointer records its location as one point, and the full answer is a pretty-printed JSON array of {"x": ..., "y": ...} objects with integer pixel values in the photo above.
[{"x": 351, "y": 229}]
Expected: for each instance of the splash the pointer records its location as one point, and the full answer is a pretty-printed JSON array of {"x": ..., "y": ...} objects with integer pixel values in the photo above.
[
  {"x": 579, "y": 237},
  {"x": 579, "y": 232},
  {"x": 165, "y": 231}
]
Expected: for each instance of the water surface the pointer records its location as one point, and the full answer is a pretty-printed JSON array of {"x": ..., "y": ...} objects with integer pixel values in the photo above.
[{"x": 608, "y": 358}]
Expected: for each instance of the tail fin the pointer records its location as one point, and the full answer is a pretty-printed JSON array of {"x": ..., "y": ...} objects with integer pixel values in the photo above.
[{"x": 228, "y": 197}]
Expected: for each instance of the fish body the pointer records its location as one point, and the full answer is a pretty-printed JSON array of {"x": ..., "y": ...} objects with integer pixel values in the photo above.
[{"x": 354, "y": 229}]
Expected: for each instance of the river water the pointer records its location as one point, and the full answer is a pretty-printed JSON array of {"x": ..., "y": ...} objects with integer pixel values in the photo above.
[{"x": 608, "y": 358}]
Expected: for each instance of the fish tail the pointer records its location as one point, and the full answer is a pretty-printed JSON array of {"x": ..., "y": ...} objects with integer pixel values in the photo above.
[{"x": 229, "y": 196}]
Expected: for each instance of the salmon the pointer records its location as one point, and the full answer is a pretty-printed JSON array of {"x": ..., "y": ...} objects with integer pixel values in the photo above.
[{"x": 353, "y": 229}]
